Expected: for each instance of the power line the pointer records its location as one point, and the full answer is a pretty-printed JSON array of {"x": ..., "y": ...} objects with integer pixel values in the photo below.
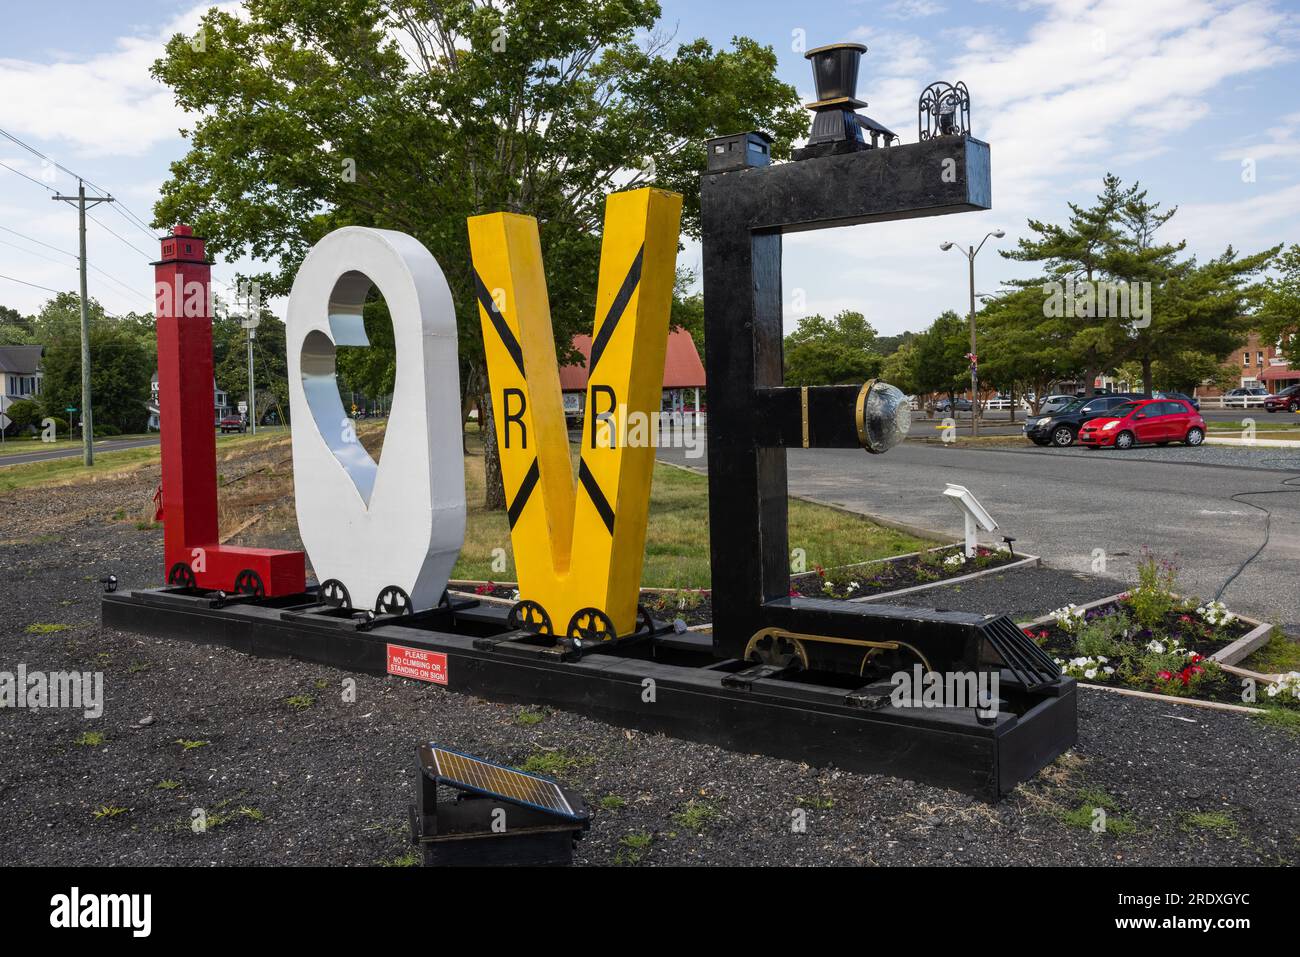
[
  {"x": 29, "y": 178},
  {"x": 32, "y": 284},
  {"x": 116, "y": 234},
  {"x": 32, "y": 239}
]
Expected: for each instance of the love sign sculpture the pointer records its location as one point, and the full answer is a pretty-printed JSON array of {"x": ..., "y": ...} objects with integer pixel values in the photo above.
[{"x": 386, "y": 534}]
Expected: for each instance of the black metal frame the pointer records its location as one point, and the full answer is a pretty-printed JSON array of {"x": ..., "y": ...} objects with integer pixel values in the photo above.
[{"x": 753, "y": 418}]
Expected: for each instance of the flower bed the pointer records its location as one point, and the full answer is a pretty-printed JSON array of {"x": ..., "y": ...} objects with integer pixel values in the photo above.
[
  {"x": 918, "y": 570},
  {"x": 1151, "y": 639}
]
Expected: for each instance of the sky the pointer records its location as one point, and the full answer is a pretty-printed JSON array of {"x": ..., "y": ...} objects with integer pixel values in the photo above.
[{"x": 1193, "y": 98}]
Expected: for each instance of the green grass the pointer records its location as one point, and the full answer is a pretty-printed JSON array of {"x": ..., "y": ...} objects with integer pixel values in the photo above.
[
  {"x": 1284, "y": 719},
  {"x": 410, "y": 859},
  {"x": 818, "y": 802},
  {"x": 1280, "y": 655},
  {"x": 1219, "y": 822},
  {"x": 612, "y": 802},
  {"x": 167, "y": 785},
  {"x": 677, "y": 541},
  {"x": 1089, "y": 800},
  {"x": 527, "y": 717},
  {"x": 70, "y": 469},
  {"x": 553, "y": 763},
  {"x": 42, "y": 628},
  {"x": 632, "y": 848},
  {"x": 105, "y": 811},
  {"x": 697, "y": 815},
  {"x": 91, "y": 739},
  {"x": 190, "y": 745},
  {"x": 300, "y": 702}
]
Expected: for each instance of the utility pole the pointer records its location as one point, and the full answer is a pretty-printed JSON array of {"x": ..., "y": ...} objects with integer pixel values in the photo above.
[
  {"x": 970, "y": 253},
  {"x": 87, "y": 420},
  {"x": 250, "y": 322}
]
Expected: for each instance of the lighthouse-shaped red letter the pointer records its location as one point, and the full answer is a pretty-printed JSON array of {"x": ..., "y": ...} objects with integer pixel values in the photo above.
[{"x": 186, "y": 414}]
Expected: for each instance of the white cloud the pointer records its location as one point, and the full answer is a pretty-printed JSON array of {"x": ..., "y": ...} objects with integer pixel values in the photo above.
[{"x": 102, "y": 106}]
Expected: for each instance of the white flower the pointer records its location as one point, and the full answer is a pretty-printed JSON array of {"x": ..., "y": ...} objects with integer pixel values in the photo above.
[
  {"x": 952, "y": 561},
  {"x": 1155, "y": 647},
  {"x": 854, "y": 585},
  {"x": 1109, "y": 670},
  {"x": 1102, "y": 660},
  {"x": 1090, "y": 673}
]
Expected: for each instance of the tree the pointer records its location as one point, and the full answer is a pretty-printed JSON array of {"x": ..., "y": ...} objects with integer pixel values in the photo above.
[
  {"x": 410, "y": 115},
  {"x": 1023, "y": 350},
  {"x": 120, "y": 372},
  {"x": 829, "y": 351},
  {"x": 1279, "y": 304},
  {"x": 15, "y": 328},
  {"x": 899, "y": 368},
  {"x": 939, "y": 362},
  {"x": 1136, "y": 299},
  {"x": 270, "y": 362},
  {"x": 23, "y": 413}
]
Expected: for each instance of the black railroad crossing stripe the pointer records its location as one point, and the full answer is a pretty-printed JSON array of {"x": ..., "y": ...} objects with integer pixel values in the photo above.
[
  {"x": 597, "y": 497},
  {"x": 525, "y": 489},
  {"x": 499, "y": 323},
  {"x": 625, "y": 291}
]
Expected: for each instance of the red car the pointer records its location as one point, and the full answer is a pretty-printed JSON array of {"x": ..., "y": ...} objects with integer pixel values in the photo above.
[{"x": 1145, "y": 422}]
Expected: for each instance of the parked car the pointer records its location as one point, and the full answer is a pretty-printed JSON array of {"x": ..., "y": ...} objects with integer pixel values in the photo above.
[
  {"x": 1243, "y": 397},
  {"x": 1288, "y": 400},
  {"x": 232, "y": 423},
  {"x": 1180, "y": 396},
  {"x": 1055, "y": 403},
  {"x": 1145, "y": 422},
  {"x": 1061, "y": 428},
  {"x": 963, "y": 405}
]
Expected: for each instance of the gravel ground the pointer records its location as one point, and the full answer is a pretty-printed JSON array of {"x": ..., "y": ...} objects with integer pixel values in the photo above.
[
  {"x": 329, "y": 783},
  {"x": 1229, "y": 456}
]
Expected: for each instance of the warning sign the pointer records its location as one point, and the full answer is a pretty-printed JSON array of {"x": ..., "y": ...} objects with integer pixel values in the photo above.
[{"x": 428, "y": 666}]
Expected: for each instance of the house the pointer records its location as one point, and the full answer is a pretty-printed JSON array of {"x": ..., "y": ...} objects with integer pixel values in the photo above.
[
  {"x": 1260, "y": 365},
  {"x": 20, "y": 377},
  {"x": 220, "y": 404},
  {"x": 683, "y": 376}
]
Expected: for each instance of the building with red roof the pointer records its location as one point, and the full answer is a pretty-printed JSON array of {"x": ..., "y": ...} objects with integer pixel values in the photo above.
[{"x": 683, "y": 376}]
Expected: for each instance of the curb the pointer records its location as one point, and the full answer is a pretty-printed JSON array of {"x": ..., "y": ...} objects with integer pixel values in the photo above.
[{"x": 1027, "y": 560}]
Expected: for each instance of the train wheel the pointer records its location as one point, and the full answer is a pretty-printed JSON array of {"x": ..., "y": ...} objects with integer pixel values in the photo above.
[
  {"x": 893, "y": 660},
  {"x": 249, "y": 582},
  {"x": 334, "y": 593},
  {"x": 529, "y": 616},
  {"x": 393, "y": 601},
  {"x": 181, "y": 576},
  {"x": 770, "y": 647},
  {"x": 589, "y": 626}
]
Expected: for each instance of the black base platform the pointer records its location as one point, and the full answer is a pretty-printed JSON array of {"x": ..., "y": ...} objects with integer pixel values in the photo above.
[{"x": 666, "y": 683}]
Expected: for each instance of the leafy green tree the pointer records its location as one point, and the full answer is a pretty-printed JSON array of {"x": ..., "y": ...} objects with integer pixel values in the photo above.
[
  {"x": 939, "y": 362},
  {"x": 24, "y": 413},
  {"x": 120, "y": 372},
  {"x": 899, "y": 367},
  {"x": 15, "y": 328},
  {"x": 1022, "y": 349},
  {"x": 825, "y": 351},
  {"x": 410, "y": 115},
  {"x": 1279, "y": 305}
]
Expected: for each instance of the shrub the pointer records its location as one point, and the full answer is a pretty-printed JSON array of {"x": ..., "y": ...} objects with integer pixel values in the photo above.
[{"x": 1153, "y": 596}]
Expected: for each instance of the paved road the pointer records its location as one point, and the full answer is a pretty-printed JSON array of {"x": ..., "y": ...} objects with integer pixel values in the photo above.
[
  {"x": 1065, "y": 504},
  {"x": 106, "y": 445}
]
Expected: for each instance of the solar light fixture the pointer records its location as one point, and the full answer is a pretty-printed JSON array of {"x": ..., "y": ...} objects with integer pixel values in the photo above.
[
  {"x": 884, "y": 416},
  {"x": 973, "y": 513}
]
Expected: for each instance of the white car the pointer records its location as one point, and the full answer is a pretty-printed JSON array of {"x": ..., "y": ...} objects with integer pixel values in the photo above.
[{"x": 1244, "y": 397}]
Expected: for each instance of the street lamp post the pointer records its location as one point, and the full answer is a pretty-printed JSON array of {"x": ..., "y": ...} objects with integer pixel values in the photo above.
[{"x": 970, "y": 253}]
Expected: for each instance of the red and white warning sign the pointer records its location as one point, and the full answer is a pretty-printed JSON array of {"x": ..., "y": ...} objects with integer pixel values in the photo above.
[{"x": 428, "y": 666}]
